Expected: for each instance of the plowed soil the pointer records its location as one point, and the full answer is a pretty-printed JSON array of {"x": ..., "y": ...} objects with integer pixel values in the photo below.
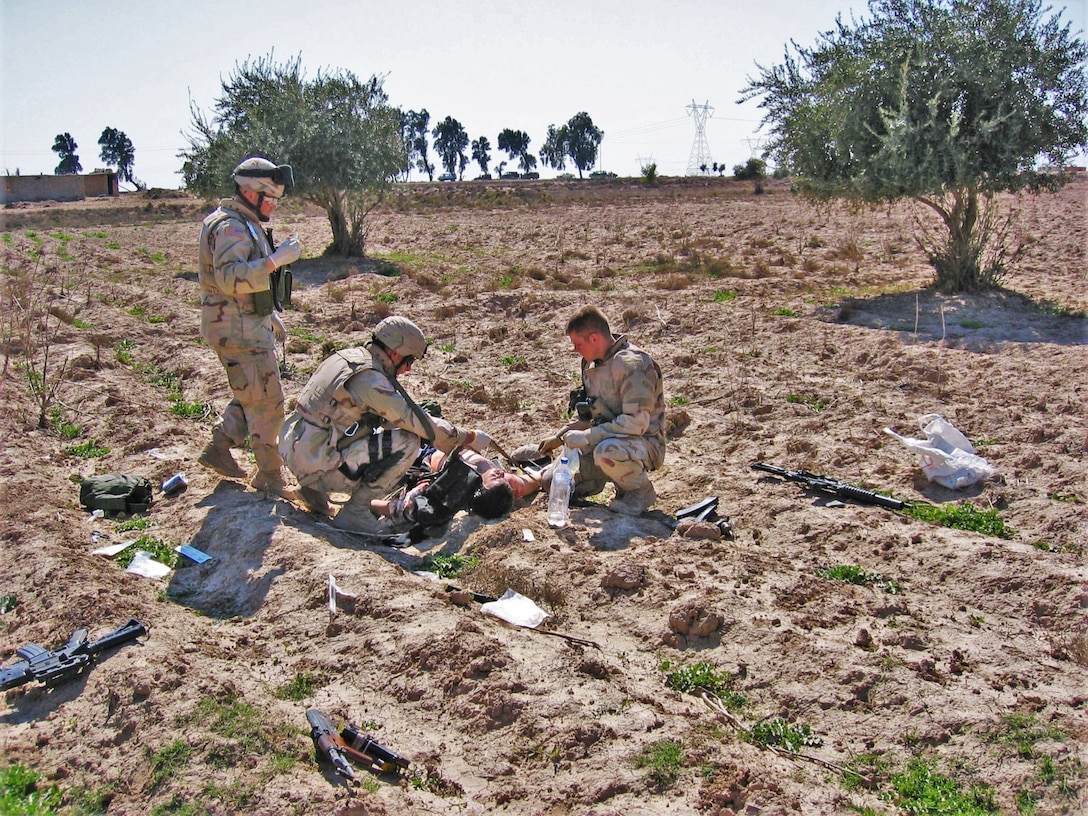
[{"x": 787, "y": 334}]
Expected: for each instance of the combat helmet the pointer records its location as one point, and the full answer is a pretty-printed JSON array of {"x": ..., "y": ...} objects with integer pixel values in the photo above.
[
  {"x": 401, "y": 335},
  {"x": 262, "y": 176}
]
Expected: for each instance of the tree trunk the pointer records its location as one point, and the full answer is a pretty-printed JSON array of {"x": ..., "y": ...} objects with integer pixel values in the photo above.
[{"x": 958, "y": 257}]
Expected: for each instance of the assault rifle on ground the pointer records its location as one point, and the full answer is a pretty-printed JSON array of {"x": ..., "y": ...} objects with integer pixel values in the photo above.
[
  {"x": 351, "y": 745},
  {"x": 834, "y": 487},
  {"x": 71, "y": 660}
]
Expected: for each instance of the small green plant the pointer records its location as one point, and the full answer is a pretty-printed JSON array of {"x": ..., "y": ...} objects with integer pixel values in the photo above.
[
  {"x": 170, "y": 759},
  {"x": 189, "y": 410},
  {"x": 723, "y": 296},
  {"x": 664, "y": 758},
  {"x": 815, "y": 403},
  {"x": 305, "y": 334},
  {"x": 1023, "y": 731},
  {"x": 112, "y": 245},
  {"x": 961, "y": 516},
  {"x": 781, "y": 734},
  {"x": 123, "y": 352},
  {"x": 704, "y": 677},
  {"x": 784, "y": 311},
  {"x": 88, "y": 450},
  {"x": 649, "y": 175},
  {"x": 63, "y": 428},
  {"x": 155, "y": 547},
  {"x": 7, "y": 603},
  {"x": 387, "y": 297},
  {"x": 139, "y": 523},
  {"x": 506, "y": 281},
  {"x": 678, "y": 400},
  {"x": 135, "y": 311},
  {"x": 853, "y": 574},
  {"x": 512, "y": 361},
  {"x": 448, "y": 348},
  {"x": 921, "y": 790},
  {"x": 81, "y": 324},
  {"x": 449, "y": 566},
  {"x": 20, "y": 794},
  {"x": 298, "y": 688}
]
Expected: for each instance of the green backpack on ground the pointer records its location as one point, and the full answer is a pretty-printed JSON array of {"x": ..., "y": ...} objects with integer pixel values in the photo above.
[{"x": 116, "y": 493}]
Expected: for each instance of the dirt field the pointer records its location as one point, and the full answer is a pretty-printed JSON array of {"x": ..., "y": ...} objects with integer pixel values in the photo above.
[{"x": 787, "y": 334}]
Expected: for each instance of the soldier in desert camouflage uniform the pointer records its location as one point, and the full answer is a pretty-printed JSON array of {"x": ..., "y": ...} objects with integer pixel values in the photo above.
[
  {"x": 239, "y": 323},
  {"x": 625, "y": 436},
  {"x": 356, "y": 431}
]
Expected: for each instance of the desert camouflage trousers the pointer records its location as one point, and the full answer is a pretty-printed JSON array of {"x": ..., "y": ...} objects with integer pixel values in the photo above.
[
  {"x": 622, "y": 460},
  {"x": 257, "y": 408}
]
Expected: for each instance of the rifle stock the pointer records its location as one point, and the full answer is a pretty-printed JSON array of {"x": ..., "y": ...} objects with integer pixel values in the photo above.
[
  {"x": 834, "y": 487},
  {"x": 71, "y": 660},
  {"x": 329, "y": 743}
]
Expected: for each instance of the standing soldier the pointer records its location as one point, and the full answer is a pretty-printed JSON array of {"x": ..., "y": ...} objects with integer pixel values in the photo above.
[{"x": 237, "y": 266}]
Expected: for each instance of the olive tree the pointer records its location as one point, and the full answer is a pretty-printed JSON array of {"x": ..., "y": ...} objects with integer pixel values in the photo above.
[
  {"x": 947, "y": 102},
  {"x": 340, "y": 135}
]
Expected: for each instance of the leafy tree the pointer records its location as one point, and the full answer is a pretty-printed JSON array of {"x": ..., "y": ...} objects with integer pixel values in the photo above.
[
  {"x": 481, "y": 153},
  {"x": 579, "y": 139},
  {"x": 450, "y": 140},
  {"x": 117, "y": 150},
  {"x": 554, "y": 151},
  {"x": 416, "y": 126},
  {"x": 583, "y": 141},
  {"x": 754, "y": 170},
  {"x": 947, "y": 102},
  {"x": 516, "y": 144},
  {"x": 343, "y": 140},
  {"x": 65, "y": 147}
]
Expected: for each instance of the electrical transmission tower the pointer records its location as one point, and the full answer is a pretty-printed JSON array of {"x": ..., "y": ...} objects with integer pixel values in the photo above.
[{"x": 700, "y": 160}]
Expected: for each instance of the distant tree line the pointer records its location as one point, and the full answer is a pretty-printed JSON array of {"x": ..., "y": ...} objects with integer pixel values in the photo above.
[
  {"x": 579, "y": 140},
  {"x": 117, "y": 151}
]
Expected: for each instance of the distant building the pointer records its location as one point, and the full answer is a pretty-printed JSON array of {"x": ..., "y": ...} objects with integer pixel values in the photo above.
[{"x": 72, "y": 187}]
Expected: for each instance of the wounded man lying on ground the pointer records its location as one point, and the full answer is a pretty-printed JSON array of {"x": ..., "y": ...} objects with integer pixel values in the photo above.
[{"x": 445, "y": 486}]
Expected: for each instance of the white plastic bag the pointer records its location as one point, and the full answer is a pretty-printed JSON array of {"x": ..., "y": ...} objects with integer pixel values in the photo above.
[{"x": 947, "y": 456}]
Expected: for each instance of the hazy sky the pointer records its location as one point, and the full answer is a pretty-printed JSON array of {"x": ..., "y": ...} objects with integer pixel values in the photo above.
[{"x": 636, "y": 66}]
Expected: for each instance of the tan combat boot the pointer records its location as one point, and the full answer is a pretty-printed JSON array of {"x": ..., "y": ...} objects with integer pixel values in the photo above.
[
  {"x": 272, "y": 483},
  {"x": 314, "y": 500},
  {"x": 635, "y": 500},
  {"x": 217, "y": 457}
]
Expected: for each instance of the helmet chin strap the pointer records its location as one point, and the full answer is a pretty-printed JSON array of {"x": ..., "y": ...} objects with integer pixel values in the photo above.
[{"x": 256, "y": 207}]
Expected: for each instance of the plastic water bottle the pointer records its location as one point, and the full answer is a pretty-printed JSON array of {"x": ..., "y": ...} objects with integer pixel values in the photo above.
[
  {"x": 559, "y": 494},
  {"x": 573, "y": 459}
]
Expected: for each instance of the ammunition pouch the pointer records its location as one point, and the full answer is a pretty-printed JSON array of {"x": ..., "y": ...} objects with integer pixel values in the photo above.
[
  {"x": 576, "y": 396},
  {"x": 263, "y": 303}
]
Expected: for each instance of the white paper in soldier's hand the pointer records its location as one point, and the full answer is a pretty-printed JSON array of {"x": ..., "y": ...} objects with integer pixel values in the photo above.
[{"x": 516, "y": 609}]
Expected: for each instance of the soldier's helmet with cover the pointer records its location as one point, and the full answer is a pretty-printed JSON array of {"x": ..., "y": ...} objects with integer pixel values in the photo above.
[
  {"x": 262, "y": 176},
  {"x": 401, "y": 335}
]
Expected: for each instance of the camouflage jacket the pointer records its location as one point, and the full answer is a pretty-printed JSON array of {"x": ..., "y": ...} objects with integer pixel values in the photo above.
[
  {"x": 234, "y": 264},
  {"x": 628, "y": 386},
  {"x": 356, "y": 385}
]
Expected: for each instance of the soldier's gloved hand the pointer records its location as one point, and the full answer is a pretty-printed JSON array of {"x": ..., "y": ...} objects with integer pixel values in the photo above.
[
  {"x": 287, "y": 252},
  {"x": 279, "y": 331},
  {"x": 579, "y": 440},
  {"x": 478, "y": 441},
  {"x": 552, "y": 443}
]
